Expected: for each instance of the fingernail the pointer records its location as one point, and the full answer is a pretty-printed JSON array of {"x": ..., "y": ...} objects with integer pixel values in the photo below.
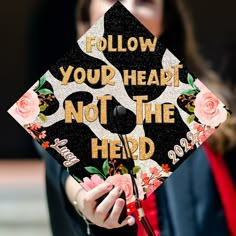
[
  {"x": 131, "y": 221},
  {"x": 118, "y": 189},
  {"x": 108, "y": 186},
  {"x": 120, "y": 202}
]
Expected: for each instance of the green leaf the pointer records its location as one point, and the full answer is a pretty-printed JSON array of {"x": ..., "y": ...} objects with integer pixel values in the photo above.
[
  {"x": 191, "y": 119},
  {"x": 196, "y": 89},
  {"x": 146, "y": 190},
  {"x": 228, "y": 114},
  {"x": 42, "y": 117},
  {"x": 101, "y": 176},
  {"x": 42, "y": 81},
  {"x": 191, "y": 109},
  {"x": 94, "y": 170},
  {"x": 190, "y": 80},
  {"x": 124, "y": 170},
  {"x": 43, "y": 108},
  {"x": 45, "y": 91},
  {"x": 105, "y": 167},
  {"x": 188, "y": 92},
  {"x": 136, "y": 169},
  {"x": 77, "y": 179}
]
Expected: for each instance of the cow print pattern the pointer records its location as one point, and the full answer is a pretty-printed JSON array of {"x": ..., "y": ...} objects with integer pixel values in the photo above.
[{"x": 117, "y": 21}]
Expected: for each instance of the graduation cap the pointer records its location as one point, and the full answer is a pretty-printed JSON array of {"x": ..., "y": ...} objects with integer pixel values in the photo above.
[{"x": 120, "y": 107}]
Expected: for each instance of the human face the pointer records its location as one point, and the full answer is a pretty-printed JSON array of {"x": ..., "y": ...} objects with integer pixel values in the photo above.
[{"x": 149, "y": 12}]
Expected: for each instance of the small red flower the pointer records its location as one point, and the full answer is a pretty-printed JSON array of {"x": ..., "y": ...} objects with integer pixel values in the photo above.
[
  {"x": 155, "y": 171},
  {"x": 198, "y": 127},
  {"x": 145, "y": 178},
  {"x": 45, "y": 145},
  {"x": 35, "y": 126},
  {"x": 190, "y": 146},
  {"x": 165, "y": 168}
]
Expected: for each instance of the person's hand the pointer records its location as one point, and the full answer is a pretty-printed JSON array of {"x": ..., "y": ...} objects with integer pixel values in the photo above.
[{"x": 105, "y": 214}]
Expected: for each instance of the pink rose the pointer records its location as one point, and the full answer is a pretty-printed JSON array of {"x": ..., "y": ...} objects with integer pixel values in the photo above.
[
  {"x": 26, "y": 109},
  {"x": 208, "y": 109},
  {"x": 124, "y": 181},
  {"x": 89, "y": 184}
]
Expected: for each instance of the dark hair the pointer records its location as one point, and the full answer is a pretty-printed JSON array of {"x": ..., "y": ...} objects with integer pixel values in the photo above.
[{"x": 178, "y": 37}]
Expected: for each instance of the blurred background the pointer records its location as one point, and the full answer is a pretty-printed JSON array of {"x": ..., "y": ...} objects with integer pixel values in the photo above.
[{"x": 34, "y": 34}]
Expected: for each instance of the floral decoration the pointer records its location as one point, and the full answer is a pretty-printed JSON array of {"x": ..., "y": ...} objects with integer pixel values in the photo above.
[
  {"x": 202, "y": 105},
  {"x": 90, "y": 183},
  {"x": 45, "y": 96},
  {"x": 203, "y": 132},
  {"x": 38, "y": 133},
  {"x": 116, "y": 175},
  {"x": 208, "y": 109},
  {"x": 32, "y": 104},
  {"x": 154, "y": 179},
  {"x": 124, "y": 181},
  {"x": 26, "y": 109},
  {"x": 30, "y": 107}
]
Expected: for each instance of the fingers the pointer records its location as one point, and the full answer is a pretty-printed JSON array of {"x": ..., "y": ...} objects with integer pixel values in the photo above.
[
  {"x": 112, "y": 220},
  {"x": 130, "y": 220},
  {"x": 98, "y": 192},
  {"x": 88, "y": 203},
  {"x": 116, "y": 211},
  {"x": 107, "y": 213},
  {"x": 106, "y": 205}
]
